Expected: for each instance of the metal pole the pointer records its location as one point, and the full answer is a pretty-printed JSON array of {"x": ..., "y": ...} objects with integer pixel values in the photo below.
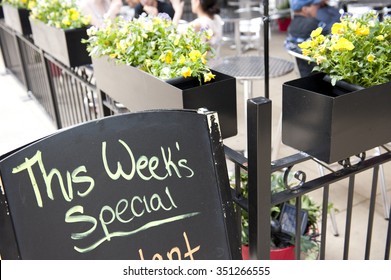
[
  {"x": 266, "y": 44},
  {"x": 259, "y": 119}
]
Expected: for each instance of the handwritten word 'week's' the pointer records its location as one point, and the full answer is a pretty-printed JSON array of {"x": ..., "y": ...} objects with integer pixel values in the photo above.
[{"x": 146, "y": 169}]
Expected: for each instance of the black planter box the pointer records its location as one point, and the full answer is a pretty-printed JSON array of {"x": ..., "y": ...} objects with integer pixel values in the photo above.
[
  {"x": 331, "y": 126},
  {"x": 138, "y": 91},
  {"x": 17, "y": 19},
  {"x": 63, "y": 45},
  {"x": 1, "y": 12}
]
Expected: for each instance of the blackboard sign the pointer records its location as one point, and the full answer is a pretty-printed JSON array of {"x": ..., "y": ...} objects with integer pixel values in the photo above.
[{"x": 148, "y": 185}]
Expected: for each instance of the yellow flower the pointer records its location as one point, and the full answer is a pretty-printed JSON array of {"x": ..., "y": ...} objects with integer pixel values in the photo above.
[
  {"x": 208, "y": 76},
  {"x": 363, "y": 31},
  {"x": 370, "y": 58},
  {"x": 65, "y": 21},
  {"x": 182, "y": 59},
  {"x": 203, "y": 57},
  {"x": 194, "y": 55},
  {"x": 75, "y": 15},
  {"x": 31, "y": 5},
  {"x": 337, "y": 28},
  {"x": 380, "y": 37},
  {"x": 306, "y": 52},
  {"x": 305, "y": 45},
  {"x": 157, "y": 20},
  {"x": 316, "y": 32},
  {"x": 342, "y": 44},
  {"x": 186, "y": 72},
  {"x": 320, "y": 39},
  {"x": 166, "y": 57}
]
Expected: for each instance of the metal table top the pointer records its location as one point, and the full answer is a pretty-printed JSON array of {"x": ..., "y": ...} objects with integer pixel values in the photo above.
[{"x": 252, "y": 67}]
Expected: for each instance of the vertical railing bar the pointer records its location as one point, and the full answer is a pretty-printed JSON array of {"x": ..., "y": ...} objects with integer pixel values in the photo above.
[
  {"x": 349, "y": 217},
  {"x": 82, "y": 97},
  {"x": 51, "y": 88},
  {"x": 388, "y": 239},
  {"x": 96, "y": 107},
  {"x": 58, "y": 91},
  {"x": 371, "y": 212},
  {"x": 78, "y": 105},
  {"x": 69, "y": 106},
  {"x": 238, "y": 191},
  {"x": 325, "y": 205},
  {"x": 298, "y": 228},
  {"x": 22, "y": 77},
  {"x": 259, "y": 173},
  {"x": 85, "y": 89},
  {"x": 92, "y": 93},
  {"x": 65, "y": 107},
  {"x": 76, "y": 99},
  {"x": 41, "y": 84}
]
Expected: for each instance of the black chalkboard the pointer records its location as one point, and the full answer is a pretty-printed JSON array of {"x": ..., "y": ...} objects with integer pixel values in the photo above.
[{"x": 145, "y": 185}]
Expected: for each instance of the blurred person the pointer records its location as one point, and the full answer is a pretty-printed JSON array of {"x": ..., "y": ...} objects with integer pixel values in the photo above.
[
  {"x": 132, "y": 3},
  {"x": 207, "y": 17},
  {"x": 128, "y": 9},
  {"x": 99, "y": 10},
  {"x": 153, "y": 8},
  {"x": 327, "y": 15},
  {"x": 308, "y": 15}
]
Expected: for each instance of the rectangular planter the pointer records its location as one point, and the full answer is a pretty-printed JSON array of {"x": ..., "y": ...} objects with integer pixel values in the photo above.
[
  {"x": 330, "y": 126},
  {"x": 138, "y": 91},
  {"x": 63, "y": 45},
  {"x": 17, "y": 19},
  {"x": 1, "y": 12}
]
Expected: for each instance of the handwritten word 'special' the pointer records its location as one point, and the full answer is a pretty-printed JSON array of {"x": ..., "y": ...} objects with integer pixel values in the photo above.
[{"x": 144, "y": 167}]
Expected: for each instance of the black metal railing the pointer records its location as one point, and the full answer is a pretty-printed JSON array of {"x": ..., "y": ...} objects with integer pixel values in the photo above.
[
  {"x": 68, "y": 95},
  {"x": 261, "y": 199},
  {"x": 36, "y": 76},
  {"x": 11, "y": 53},
  {"x": 74, "y": 93}
]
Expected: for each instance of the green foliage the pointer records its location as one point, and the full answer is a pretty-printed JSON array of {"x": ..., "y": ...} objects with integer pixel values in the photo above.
[
  {"x": 357, "y": 51},
  {"x": 309, "y": 245},
  {"x": 154, "y": 45},
  {"x": 62, "y": 14}
]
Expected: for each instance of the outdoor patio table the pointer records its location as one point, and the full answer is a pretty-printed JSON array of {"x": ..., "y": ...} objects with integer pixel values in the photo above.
[{"x": 250, "y": 68}]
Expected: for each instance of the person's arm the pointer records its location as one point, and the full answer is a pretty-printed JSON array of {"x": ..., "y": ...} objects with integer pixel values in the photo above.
[
  {"x": 178, "y": 6},
  {"x": 115, "y": 7}
]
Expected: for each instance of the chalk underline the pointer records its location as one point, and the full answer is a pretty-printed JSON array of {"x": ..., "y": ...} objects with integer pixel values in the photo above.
[{"x": 128, "y": 233}]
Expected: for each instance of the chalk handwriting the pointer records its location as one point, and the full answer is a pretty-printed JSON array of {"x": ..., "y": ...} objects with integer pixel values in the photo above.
[
  {"x": 175, "y": 250},
  {"x": 146, "y": 168},
  {"x": 72, "y": 178},
  {"x": 167, "y": 163}
]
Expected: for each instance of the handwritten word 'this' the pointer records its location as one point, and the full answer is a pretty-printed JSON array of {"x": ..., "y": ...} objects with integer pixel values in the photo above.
[{"x": 146, "y": 169}]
